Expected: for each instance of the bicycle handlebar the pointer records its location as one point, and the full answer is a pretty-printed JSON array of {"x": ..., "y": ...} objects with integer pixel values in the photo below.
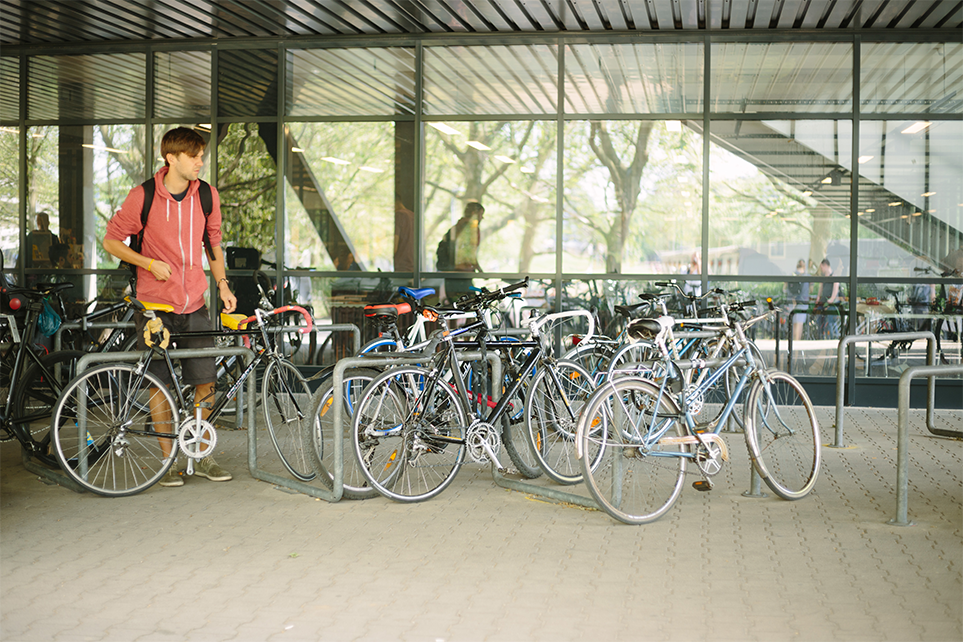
[
  {"x": 484, "y": 297},
  {"x": 285, "y": 308}
]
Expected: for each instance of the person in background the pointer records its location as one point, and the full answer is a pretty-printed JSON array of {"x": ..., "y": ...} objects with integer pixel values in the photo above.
[
  {"x": 458, "y": 249},
  {"x": 827, "y": 320},
  {"x": 797, "y": 294}
]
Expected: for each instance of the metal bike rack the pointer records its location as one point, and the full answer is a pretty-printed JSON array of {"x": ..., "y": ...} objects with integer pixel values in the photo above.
[
  {"x": 888, "y": 336},
  {"x": 902, "y": 440},
  {"x": 87, "y": 360},
  {"x": 93, "y": 325}
]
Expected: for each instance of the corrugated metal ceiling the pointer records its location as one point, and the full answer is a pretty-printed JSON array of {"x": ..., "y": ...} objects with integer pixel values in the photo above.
[{"x": 57, "y": 22}]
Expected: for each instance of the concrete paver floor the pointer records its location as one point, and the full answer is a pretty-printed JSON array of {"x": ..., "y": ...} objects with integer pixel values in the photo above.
[{"x": 245, "y": 560}]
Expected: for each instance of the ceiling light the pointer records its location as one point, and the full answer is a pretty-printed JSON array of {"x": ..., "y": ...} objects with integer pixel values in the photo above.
[
  {"x": 504, "y": 159},
  {"x": 444, "y": 129},
  {"x": 373, "y": 170},
  {"x": 104, "y": 149},
  {"x": 673, "y": 125},
  {"x": 9, "y": 130},
  {"x": 895, "y": 203},
  {"x": 928, "y": 194},
  {"x": 808, "y": 192},
  {"x": 204, "y": 127},
  {"x": 479, "y": 146},
  {"x": 870, "y": 209},
  {"x": 905, "y": 216},
  {"x": 827, "y": 180},
  {"x": 336, "y": 161},
  {"x": 917, "y": 127},
  {"x": 527, "y": 170},
  {"x": 863, "y": 159},
  {"x": 297, "y": 150},
  {"x": 917, "y": 213}
]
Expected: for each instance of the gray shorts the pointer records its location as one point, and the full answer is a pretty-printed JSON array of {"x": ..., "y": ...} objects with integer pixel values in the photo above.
[{"x": 193, "y": 371}]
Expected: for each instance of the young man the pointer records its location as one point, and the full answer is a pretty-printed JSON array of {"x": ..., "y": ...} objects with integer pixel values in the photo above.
[{"x": 169, "y": 270}]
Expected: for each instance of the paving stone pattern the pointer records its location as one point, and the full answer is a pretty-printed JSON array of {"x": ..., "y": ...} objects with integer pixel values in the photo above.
[{"x": 245, "y": 560}]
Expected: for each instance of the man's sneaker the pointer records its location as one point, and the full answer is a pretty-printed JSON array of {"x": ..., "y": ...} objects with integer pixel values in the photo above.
[
  {"x": 171, "y": 478},
  {"x": 207, "y": 467}
]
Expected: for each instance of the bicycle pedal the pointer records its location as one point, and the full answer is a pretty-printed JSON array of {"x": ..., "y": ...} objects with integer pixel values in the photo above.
[{"x": 703, "y": 485}]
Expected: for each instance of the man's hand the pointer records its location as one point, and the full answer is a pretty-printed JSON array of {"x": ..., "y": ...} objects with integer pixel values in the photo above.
[
  {"x": 227, "y": 297},
  {"x": 160, "y": 270}
]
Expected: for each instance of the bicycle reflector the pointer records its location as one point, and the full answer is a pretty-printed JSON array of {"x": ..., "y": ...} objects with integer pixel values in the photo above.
[{"x": 15, "y": 303}]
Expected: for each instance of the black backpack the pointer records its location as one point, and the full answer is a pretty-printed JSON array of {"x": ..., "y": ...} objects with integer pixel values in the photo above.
[
  {"x": 445, "y": 254},
  {"x": 207, "y": 206}
]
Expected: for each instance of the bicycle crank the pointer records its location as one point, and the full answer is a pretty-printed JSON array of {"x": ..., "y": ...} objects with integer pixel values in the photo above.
[
  {"x": 197, "y": 438},
  {"x": 710, "y": 453},
  {"x": 483, "y": 443}
]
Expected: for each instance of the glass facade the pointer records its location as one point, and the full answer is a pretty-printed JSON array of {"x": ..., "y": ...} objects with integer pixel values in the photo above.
[{"x": 602, "y": 166}]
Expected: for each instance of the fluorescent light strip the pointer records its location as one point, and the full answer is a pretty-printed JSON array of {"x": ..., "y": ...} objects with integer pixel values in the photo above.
[
  {"x": 104, "y": 149},
  {"x": 479, "y": 146},
  {"x": 917, "y": 127},
  {"x": 444, "y": 129},
  {"x": 336, "y": 161}
]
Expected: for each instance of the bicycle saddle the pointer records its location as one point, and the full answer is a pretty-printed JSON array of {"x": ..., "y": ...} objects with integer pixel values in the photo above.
[
  {"x": 387, "y": 309},
  {"x": 416, "y": 294},
  {"x": 232, "y": 321},
  {"x": 647, "y": 329}
]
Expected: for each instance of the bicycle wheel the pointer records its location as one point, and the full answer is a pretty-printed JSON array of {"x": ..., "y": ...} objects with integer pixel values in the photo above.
[
  {"x": 409, "y": 434},
  {"x": 34, "y": 399},
  {"x": 631, "y": 465},
  {"x": 319, "y": 435},
  {"x": 555, "y": 400},
  {"x": 102, "y": 437},
  {"x": 285, "y": 396},
  {"x": 630, "y": 357},
  {"x": 782, "y": 435},
  {"x": 513, "y": 421},
  {"x": 593, "y": 356}
]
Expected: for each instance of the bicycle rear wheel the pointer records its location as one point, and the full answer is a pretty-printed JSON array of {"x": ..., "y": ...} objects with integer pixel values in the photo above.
[
  {"x": 555, "y": 400},
  {"x": 319, "y": 435},
  {"x": 35, "y": 396},
  {"x": 408, "y": 434},
  {"x": 285, "y": 396},
  {"x": 782, "y": 435},
  {"x": 103, "y": 436},
  {"x": 630, "y": 464}
]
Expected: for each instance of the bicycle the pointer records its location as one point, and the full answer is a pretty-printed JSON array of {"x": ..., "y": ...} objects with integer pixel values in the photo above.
[
  {"x": 412, "y": 429},
  {"x": 105, "y": 434},
  {"x": 636, "y": 436}
]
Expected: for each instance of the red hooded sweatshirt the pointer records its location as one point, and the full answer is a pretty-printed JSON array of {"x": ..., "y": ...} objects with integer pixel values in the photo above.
[{"x": 173, "y": 234}]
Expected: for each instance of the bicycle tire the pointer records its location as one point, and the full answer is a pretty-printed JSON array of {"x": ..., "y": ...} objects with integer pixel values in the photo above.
[
  {"x": 634, "y": 484},
  {"x": 319, "y": 434},
  {"x": 34, "y": 399},
  {"x": 550, "y": 423},
  {"x": 513, "y": 420},
  {"x": 285, "y": 398},
  {"x": 593, "y": 356},
  {"x": 409, "y": 434},
  {"x": 100, "y": 435},
  {"x": 782, "y": 435}
]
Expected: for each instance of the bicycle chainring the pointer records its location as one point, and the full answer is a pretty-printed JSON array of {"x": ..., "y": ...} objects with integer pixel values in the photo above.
[
  {"x": 694, "y": 399},
  {"x": 197, "y": 438},
  {"x": 478, "y": 435}
]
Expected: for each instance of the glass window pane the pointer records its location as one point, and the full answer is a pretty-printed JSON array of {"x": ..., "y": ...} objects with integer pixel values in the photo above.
[
  {"x": 101, "y": 86},
  {"x": 508, "y": 167},
  {"x": 910, "y": 196},
  {"x": 633, "y": 196},
  {"x": 749, "y": 78},
  {"x": 246, "y": 183},
  {"x": 908, "y": 77},
  {"x": 247, "y": 83},
  {"x": 520, "y": 79},
  {"x": 780, "y": 194},
  {"x": 352, "y": 82},
  {"x": 634, "y": 79},
  {"x": 10, "y": 196},
  {"x": 340, "y": 199},
  {"x": 9, "y": 88},
  {"x": 182, "y": 84}
]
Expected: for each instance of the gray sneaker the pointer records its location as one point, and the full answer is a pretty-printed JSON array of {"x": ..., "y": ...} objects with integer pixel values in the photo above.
[
  {"x": 172, "y": 478},
  {"x": 207, "y": 467}
]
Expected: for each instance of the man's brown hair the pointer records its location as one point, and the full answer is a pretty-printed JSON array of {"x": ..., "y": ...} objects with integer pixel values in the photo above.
[{"x": 181, "y": 139}]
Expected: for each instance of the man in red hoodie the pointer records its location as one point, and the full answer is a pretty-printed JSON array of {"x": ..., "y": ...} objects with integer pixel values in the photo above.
[{"x": 169, "y": 270}]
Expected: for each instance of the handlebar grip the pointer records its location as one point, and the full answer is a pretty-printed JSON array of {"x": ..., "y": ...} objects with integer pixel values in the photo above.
[{"x": 301, "y": 311}]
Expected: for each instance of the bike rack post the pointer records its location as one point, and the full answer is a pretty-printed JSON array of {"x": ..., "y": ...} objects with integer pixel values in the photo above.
[
  {"x": 93, "y": 325},
  {"x": 931, "y": 372},
  {"x": 87, "y": 360},
  {"x": 888, "y": 336}
]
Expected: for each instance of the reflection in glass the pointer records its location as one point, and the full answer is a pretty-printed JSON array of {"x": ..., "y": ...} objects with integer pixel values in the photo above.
[
  {"x": 247, "y": 83},
  {"x": 182, "y": 84},
  {"x": 491, "y": 80},
  {"x": 634, "y": 79},
  {"x": 246, "y": 182},
  {"x": 9, "y": 88},
  {"x": 633, "y": 196},
  {"x": 750, "y": 78},
  {"x": 508, "y": 167},
  {"x": 101, "y": 86},
  {"x": 9, "y": 196},
  {"x": 780, "y": 194},
  {"x": 908, "y": 77}
]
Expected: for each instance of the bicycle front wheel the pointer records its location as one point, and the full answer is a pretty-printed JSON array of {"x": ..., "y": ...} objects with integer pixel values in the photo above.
[
  {"x": 408, "y": 434},
  {"x": 285, "y": 398},
  {"x": 630, "y": 452},
  {"x": 555, "y": 401},
  {"x": 104, "y": 435},
  {"x": 782, "y": 435}
]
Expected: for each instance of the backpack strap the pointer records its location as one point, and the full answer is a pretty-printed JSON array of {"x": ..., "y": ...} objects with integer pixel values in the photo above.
[{"x": 207, "y": 206}]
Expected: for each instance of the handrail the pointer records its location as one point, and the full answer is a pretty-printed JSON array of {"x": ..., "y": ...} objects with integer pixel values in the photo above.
[
  {"x": 902, "y": 440},
  {"x": 888, "y": 336}
]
